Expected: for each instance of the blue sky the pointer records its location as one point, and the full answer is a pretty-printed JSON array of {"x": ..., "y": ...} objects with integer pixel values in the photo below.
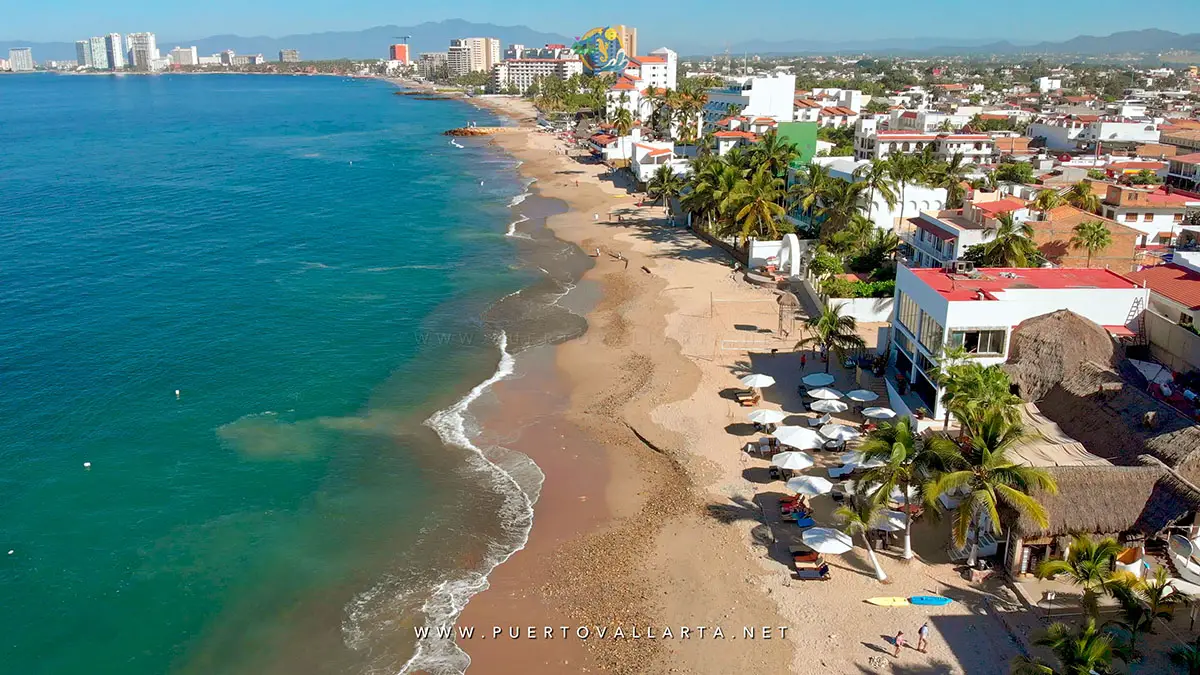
[{"x": 664, "y": 21}]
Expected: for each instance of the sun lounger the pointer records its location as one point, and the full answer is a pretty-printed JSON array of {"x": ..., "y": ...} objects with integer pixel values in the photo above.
[
  {"x": 844, "y": 470},
  {"x": 804, "y": 521},
  {"x": 749, "y": 402},
  {"x": 811, "y": 558},
  {"x": 820, "y": 421},
  {"x": 819, "y": 574}
]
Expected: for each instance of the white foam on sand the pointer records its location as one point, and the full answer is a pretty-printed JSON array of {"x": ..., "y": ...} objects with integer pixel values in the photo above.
[
  {"x": 518, "y": 480},
  {"x": 512, "y": 227},
  {"x": 516, "y": 201}
]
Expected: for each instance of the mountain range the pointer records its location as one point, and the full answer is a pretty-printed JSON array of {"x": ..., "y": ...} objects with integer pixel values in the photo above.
[{"x": 436, "y": 36}]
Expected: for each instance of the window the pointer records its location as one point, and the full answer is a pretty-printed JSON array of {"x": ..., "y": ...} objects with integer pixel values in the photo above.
[
  {"x": 1185, "y": 319},
  {"x": 1178, "y": 218},
  {"x": 979, "y": 341},
  {"x": 1148, "y": 218},
  {"x": 903, "y": 343},
  {"x": 1131, "y": 217},
  {"x": 909, "y": 314},
  {"x": 931, "y": 333}
]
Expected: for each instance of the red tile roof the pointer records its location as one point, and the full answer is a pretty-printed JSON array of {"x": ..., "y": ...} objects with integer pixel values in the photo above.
[
  {"x": 838, "y": 111},
  {"x": 653, "y": 151},
  {"x": 1193, "y": 158},
  {"x": 736, "y": 134},
  {"x": 988, "y": 116},
  {"x": 950, "y": 87},
  {"x": 962, "y": 288},
  {"x": 1006, "y": 205},
  {"x": 807, "y": 103},
  {"x": 763, "y": 120},
  {"x": 603, "y": 139},
  {"x": 1175, "y": 282},
  {"x": 1153, "y": 166},
  {"x": 647, "y": 59},
  {"x": 909, "y": 115},
  {"x": 965, "y": 137},
  {"x": 624, "y": 84}
]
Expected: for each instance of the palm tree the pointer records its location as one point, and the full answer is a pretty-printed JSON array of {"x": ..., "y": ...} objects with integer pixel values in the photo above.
[
  {"x": 1187, "y": 656},
  {"x": 905, "y": 170},
  {"x": 665, "y": 183},
  {"x": 1092, "y": 235},
  {"x": 1081, "y": 196},
  {"x": 755, "y": 203},
  {"x": 1144, "y": 602},
  {"x": 906, "y": 459},
  {"x": 878, "y": 179},
  {"x": 854, "y": 235},
  {"x": 824, "y": 263},
  {"x": 990, "y": 480},
  {"x": 831, "y": 331},
  {"x": 1011, "y": 245},
  {"x": 1089, "y": 564},
  {"x": 623, "y": 121},
  {"x": 1088, "y": 652},
  {"x": 859, "y": 517},
  {"x": 840, "y": 204},
  {"x": 774, "y": 153},
  {"x": 973, "y": 392},
  {"x": 950, "y": 176},
  {"x": 811, "y": 187},
  {"x": 1047, "y": 199}
]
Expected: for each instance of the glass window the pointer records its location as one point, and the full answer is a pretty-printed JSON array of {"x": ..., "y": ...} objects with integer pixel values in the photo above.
[
  {"x": 903, "y": 343},
  {"x": 1148, "y": 218},
  {"x": 909, "y": 314},
  {"x": 1131, "y": 217},
  {"x": 1178, "y": 217},
  {"x": 931, "y": 333},
  {"x": 979, "y": 341}
]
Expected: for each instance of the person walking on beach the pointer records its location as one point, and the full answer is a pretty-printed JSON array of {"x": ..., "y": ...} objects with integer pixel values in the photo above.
[
  {"x": 899, "y": 641},
  {"x": 923, "y": 637},
  {"x": 803, "y": 361}
]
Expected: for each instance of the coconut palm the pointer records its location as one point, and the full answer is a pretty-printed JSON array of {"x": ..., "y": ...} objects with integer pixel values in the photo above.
[
  {"x": 1011, "y": 244},
  {"x": 1187, "y": 657},
  {"x": 854, "y": 236},
  {"x": 623, "y": 121},
  {"x": 839, "y": 206},
  {"x": 905, "y": 170},
  {"x": 810, "y": 188},
  {"x": 878, "y": 179},
  {"x": 907, "y": 459},
  {"x": 1081, "y": 196},
  {"x": 832, "y": 331},
  {"x": 1093, "y": 236},
  {"x": 990, "y": 479},
  {"x": 859, "y": 517},
  {"x": 1090, "y": 564},
  {"x": 950, "y": 176},
  {"x": 824, "y": 263},
  {"x": 755, "y": 207},
  {"x": 1047, "y": 199},
  {"x": 1088, "y": 652},
  {"x": 665, "y": 184},
  {"x": 973, "y": 392},
  {"x": 774, "y": 153},
  {"x": 1144, "y": 602}
]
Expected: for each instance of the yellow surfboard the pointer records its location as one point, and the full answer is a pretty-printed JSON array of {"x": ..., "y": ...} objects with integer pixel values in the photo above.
[{"x": 888, "y": 602}]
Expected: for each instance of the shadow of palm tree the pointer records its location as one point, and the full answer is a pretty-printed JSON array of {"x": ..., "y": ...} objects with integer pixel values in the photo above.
[
  {"x": 742, "y": 429},
  {"x": 758, "y": 474}
]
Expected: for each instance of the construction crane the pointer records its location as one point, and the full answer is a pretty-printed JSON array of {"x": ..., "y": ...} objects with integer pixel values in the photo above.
[{"x": 406, "y": 38}]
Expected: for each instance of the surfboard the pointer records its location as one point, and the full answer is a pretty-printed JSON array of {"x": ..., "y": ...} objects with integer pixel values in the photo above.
[
  {"x": 888, "y": 602},
  {"x": 936, "y": 600}
]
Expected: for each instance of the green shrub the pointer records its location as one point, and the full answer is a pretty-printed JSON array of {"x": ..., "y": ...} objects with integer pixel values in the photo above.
[{"x": 844, "y": 288}]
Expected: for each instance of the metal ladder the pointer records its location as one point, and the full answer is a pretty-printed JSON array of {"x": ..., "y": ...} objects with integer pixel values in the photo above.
[{"x": 1137, "y": 311}]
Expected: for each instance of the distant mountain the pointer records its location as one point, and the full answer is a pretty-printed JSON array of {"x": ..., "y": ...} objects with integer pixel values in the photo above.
[{"x": 369, "y": 43}]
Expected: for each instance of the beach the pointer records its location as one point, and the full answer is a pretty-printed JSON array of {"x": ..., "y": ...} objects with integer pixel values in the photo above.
[{"x": 689, "y": 534}]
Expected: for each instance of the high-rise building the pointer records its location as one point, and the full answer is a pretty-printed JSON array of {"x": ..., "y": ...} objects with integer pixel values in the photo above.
[
  {"x": 184, "y": 56},
  {"x": 432, "y": 64},
  {"x": 289, "y": 56},
  {"x": 471, "y": 55},
  {"x": 399, "y": 53},
  {"x": 113, "y": 47},
  {"x": 514, "y": 51},
  {"x": 20, "y": 60},
  {"x": 628, "y": 38},
  {"x": 83, "y": 53},
  {"x": 99, "y": 55},
  {"x": 143, "y": 48}
]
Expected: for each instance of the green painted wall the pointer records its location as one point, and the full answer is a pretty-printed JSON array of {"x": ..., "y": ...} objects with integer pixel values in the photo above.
[{"x": 804, "y": 135}]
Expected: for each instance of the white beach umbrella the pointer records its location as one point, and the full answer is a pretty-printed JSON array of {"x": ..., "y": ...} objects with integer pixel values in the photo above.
[
  {"x": 800, "y": 438},
  {"x": 871, "y": 463},
  {"x": 825, "y": 394},
  {"x": 862, "y": 395},
  {"x": 818, "y": 379},
  {"x": 827, "y": 406},
  {"x": 852, "y": 457},
  {"x": 897, "y": 495},
  {"x": 794, "y": 461},
  {"x": 879, "y": 413},
  {"x": 890, "y": 521},
  {"x": 757, "y": 381},
  {"x": 839, "y": 432},
  {"x": 809, "y": 486},
  {"x": 827, "y": 540},
  {"x": 767, "y": 416}
]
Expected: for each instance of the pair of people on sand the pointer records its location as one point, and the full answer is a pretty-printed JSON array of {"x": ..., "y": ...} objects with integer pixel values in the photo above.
[{"x": 922, "y": 640}]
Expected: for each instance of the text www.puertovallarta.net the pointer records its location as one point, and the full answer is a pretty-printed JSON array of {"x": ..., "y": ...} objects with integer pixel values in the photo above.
[{"x": 453, "y": 632}]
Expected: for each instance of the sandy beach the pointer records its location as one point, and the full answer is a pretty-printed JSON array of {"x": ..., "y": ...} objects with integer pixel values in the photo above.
[{"x": 689, "y": 534}]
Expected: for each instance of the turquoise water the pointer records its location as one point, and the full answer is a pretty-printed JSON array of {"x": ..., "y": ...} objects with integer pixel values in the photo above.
[{"x": 307, "y": 262}]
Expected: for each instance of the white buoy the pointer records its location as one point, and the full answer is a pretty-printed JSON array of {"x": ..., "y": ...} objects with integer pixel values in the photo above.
[
  {"x": 87, "y": 465},
  {"x": 177, "y": 394},
  {"x": 10, "y": 551}
]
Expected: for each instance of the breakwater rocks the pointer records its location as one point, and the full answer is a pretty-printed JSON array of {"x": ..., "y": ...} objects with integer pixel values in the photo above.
[
  {"x": 427, "y": 96},
  {"x": 477, "y": 131}
]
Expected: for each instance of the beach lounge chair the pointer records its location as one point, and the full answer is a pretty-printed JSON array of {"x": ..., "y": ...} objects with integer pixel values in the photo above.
[
  {"x": 820, "y": 421},
  {"x": 810, "y": 559},
  {"x": 803, "y": 521},
  {"x": 843, "y": 470},
  {"x": 749, "y": 402},
  {"x": 819, "y": 574}
]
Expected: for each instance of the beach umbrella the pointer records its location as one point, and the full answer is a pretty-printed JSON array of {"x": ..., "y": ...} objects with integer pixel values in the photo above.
[
  {"x": 793, "y": 461},
  {"x": 800, "y": 438},
  {"x": 879, "y": 413},
  {"x": 872, "y": 463},
  {"x": 890, "y": 521},
  {"x": 897, "y": 495},
  {"x": 827, "y": 406},
  {"x": 839, "y": 432},
  {"x": 852, "y": 457},
  {"x": 757, "y": 381},
  {"x": 767, "y": 416},
  {"x": 827, "y": 540},
  {"x": 862, "y": 395},
  {"x": 825, "y": 394},
  {"x": 809, "y": 486},
  {"x": 818, "y": 379}
]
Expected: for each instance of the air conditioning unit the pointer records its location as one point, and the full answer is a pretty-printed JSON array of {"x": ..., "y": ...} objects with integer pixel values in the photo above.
[{"x": 963, "y": 266}]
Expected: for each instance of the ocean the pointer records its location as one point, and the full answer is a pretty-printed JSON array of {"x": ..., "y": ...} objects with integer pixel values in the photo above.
[{"x": 244, "y": 319}]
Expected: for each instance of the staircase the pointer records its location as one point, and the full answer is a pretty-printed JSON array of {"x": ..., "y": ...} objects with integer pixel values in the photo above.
[
  {"x": 1137, "y": 311},
  {"x": 987, "y": 547}
]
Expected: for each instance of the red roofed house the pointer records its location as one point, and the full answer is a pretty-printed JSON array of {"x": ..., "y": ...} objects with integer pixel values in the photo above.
[
  {"x": 1174, "y": 290},
  {"x": 807, "y": 110},
  {"x": 1184, "y": 171},
  {"x": 761, "y": 125},
  {"x": 728, "y": 140},
  {"x": 1157, "y": 213},
  {"x": 656, "y": 71},
  {"x": 837, "y": 116},
  {"x": 1053, "y": 234}
]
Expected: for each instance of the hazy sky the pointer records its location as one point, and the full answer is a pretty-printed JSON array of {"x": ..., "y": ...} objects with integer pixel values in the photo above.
[{"x": 664, "y": 21}]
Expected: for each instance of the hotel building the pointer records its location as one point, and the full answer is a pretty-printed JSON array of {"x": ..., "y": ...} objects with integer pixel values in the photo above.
[{"x": 20, "y": 60}]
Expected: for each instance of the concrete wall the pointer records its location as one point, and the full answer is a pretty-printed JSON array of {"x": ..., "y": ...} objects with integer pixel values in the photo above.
[
  {"x": 865, "y": 310},
  {"x": 1177, "y": 347}
]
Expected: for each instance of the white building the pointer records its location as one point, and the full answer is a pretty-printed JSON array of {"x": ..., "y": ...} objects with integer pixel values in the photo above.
[
  {"x": 1048, "y": 84},
  {"x": 431, "y": 64},
  {"x": 20, "y": 60},
  {"x": 184, "y": 56},
  {"x": 648, "y": 156},
  {"x": 522, "y": 73},
  {"x": 832, "y": 97},
  {"x": 473, "y": 55},
  {"x": 114, "y": 49},
  {"x": 1073, "y": 132},
  {"x": 941, "y": 237},
  {"x": 657, "y": 70},
  {"x": 872, "y": 143},
  {"x": 928, "y": 121},
  {"x": 514, "y": 51},
  {"x": 773, "y": 97},
  {"x": 978, "y": 311},
  {"x": 97, "y": 54},
  {"x": 917, "y": 198},
  {"x": 143, "y": 48},
  {"x": 1156, "y": 213},
  {"x": 83, "y": 54}
]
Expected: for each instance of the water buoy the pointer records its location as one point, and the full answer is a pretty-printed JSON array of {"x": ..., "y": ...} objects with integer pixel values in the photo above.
[
  {"x": 10, "y": 552},
  {"x": 176, "y": 393},
  {"x": 87, "y": 465}
]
